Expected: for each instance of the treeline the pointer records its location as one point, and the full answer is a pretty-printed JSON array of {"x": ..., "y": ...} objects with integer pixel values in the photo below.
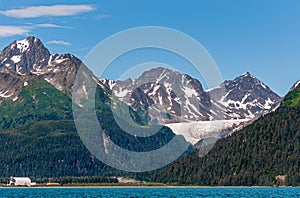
[{"x": 77, "y": 180}]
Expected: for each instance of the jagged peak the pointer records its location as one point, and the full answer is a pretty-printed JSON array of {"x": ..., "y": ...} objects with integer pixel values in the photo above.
[
  {"x": 159, "y": 71},
  {"x": 153, "y": 71},
  {"x": 247, "y": 74},
  {"x": 24, "y": 56},
  {"x": 26, "y": 45},
  {"x": 30, "y": 38}
]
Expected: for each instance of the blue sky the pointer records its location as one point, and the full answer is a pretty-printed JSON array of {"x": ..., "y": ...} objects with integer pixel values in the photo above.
[{"x": 262, "y": 37}]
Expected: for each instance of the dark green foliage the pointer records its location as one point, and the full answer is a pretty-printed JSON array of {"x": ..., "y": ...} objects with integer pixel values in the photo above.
[
  {"x": 39, "y": 137},
  {"x": 46, "y": 149},
  {"x": 253, "y": 156},
  {"x": 77, "y": 180},
  {"x": 128, "y": 141}
]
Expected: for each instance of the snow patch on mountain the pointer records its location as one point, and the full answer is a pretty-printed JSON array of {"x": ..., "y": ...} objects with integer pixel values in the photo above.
[
  {"x": 5, "y": 94},
  {"x": 23, "y": 45},
  {"x": 16, "y": 59},
  {"x": 295, "y": 85},
  {"x": 122, "y": 93}
]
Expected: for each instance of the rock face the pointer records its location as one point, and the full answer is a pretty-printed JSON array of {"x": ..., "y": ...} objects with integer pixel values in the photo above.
[
  {"x": 25, "y": 56},
  {"x": 61, "y": 71},
  {"x": 182, "y": 97},
  {"x": 246, "y": 97},
  {"x": 11, "y": 83},
  {"x": 167, "y": 95}
]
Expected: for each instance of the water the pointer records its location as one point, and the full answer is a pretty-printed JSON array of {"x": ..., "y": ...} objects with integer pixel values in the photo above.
[{"x": 150, "y": 192}]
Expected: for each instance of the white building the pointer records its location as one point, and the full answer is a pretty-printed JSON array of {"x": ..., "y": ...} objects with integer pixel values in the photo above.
[{"x": 20, "y": 181}]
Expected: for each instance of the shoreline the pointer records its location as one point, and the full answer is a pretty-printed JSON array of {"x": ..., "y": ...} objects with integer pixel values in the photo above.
[{"x": 136, "y": 186}]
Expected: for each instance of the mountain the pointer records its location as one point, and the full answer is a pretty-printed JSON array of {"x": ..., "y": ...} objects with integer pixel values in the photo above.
[
  {"x": 37, "y": 129},
  {"x": 178, "y": 101},
  {"x": 37, "y": 86},
  {"x": 30, "y": 57},
  {"x": 246, "y": 97},
  {"x": 170, "y": 97},
  {"x": 265, "y": 153},
  {"x": 166, "y": 95},
  {"x": 25, "y": 56}
]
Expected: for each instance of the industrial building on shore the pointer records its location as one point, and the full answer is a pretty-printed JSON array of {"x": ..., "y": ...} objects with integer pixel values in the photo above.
[{"x": 20, "y": 181}]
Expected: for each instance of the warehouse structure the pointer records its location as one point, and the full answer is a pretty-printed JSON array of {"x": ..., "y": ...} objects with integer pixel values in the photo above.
[{"x": 20, "y": 181}]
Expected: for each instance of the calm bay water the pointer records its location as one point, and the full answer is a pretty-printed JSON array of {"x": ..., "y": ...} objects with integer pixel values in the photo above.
[{"x": 150, "y": 192}]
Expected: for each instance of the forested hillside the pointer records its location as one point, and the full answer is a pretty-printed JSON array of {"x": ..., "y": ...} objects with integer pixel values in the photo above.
[{"x": 39, "y": 138}]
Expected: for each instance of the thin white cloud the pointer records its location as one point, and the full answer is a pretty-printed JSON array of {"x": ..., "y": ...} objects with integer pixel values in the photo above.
[
  {"x": 7, "y": 31},
  {"x": 103, "y": 16},
  {"x": 43, "y": 11},
  {"x": 59, "y": 42},
  {"x": 49, "y": 25}
]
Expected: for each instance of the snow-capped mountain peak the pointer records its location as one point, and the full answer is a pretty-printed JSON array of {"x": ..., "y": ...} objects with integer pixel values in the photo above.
[
  {"x": 29, "y": 57},
  {"x": 246, "y": 74},
  {"x": 168, "y": 96},
  {"x": 182, "y": 97},
  {"x": 24, "y": 56},
  {"x": 246, "y": 97},
  {"x": 26, "y": 44}
]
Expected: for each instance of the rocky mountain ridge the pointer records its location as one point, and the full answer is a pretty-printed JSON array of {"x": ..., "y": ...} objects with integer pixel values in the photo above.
[{"x": 182, "y": 98}]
